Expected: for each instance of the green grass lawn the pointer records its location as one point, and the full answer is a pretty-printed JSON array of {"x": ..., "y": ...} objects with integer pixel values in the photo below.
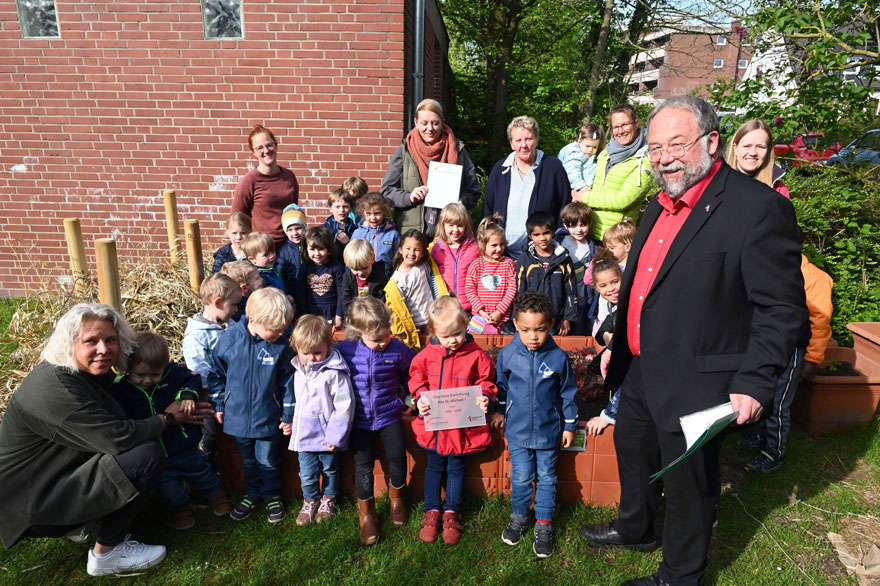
[{"x": 771, "y": 531}]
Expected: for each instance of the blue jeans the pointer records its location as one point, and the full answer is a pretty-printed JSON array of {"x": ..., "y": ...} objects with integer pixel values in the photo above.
[
  {"x": 315, "y": 465},
  {"x": 189, "y": 466},
  {"x": 261, "y": 458},
  {"x": 538, "y": 466},
  {"x": 454, "y": 466}
]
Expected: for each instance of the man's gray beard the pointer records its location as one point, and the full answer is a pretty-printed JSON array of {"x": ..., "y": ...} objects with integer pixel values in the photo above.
[{"x": 689, "y": 178}]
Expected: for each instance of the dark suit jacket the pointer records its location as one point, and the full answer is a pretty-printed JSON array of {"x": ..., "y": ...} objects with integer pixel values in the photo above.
[{"x": 725, "y": 309}]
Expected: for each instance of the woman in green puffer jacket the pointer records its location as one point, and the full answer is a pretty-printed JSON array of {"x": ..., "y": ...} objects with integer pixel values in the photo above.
[{"x": 623, "y": 182}]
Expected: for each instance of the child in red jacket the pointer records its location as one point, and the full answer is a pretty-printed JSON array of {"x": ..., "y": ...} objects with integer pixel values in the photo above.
[{"x": 452, "y": 360}]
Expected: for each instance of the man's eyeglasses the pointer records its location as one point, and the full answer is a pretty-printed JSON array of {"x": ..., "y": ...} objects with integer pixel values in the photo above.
[{"x": 675, "y": 151}]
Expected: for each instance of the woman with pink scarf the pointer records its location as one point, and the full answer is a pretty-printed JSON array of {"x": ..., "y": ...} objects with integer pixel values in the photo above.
[{"x": 405, "y": 183}]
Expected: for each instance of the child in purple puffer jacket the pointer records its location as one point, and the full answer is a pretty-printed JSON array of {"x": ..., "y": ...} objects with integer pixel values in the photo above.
[
  {"x": 379, "y": 366},
  {"x": 322, "y": 416}
]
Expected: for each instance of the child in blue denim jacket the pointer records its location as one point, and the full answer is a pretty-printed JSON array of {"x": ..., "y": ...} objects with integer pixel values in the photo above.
[
  {"x": 251, "y": 384},
  {"x": 322, "y": 418},
  {"x": 536, "y": 388}
]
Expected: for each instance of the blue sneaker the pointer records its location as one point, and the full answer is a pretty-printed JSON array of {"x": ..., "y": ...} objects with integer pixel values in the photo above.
[
  {"x": 765, "y": 463},
  {"x": 755, "y": 442}
]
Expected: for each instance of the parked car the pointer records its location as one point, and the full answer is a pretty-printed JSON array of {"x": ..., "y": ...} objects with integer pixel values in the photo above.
[
  {"x": 804, "y": 149},
  {"x": 864, "y": 149}
]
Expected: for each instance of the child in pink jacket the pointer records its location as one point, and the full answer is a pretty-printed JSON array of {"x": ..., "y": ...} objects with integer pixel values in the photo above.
[{"x": 455, "y": 249}]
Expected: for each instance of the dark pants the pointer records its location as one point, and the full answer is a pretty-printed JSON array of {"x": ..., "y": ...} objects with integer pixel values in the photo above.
[
  {"x": 143, "y": 466},
  {"x": 777, "y": 419},
  {"x": 454, "y": 466},
  {"x": 692, "y": 490},
  {"x": 187, "y": 466},
  {"x": 363, "y": 446}
]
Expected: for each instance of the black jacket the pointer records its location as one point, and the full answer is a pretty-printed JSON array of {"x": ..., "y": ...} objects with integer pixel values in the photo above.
[
  {"x": 726, "y": 306},
  {"x": 556, "y": 281},
  {"x": 375, "y": 285}
]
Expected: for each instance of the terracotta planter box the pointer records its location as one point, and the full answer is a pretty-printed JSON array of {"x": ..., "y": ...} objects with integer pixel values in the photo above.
[
  {"x": 589, "y": 477},
  {"x": 836, "y": 403},
  {"x": 866, "y": 339}
]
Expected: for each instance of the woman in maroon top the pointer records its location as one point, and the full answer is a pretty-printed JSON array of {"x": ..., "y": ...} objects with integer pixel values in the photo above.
[{"x": 265, "y": 191}]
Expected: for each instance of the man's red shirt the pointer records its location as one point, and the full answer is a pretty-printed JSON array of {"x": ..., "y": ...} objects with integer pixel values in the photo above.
[{"x": 666, "y": 228}]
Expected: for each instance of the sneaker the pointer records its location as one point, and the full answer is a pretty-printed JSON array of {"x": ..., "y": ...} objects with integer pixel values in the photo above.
[
  {"x": 452, "y": 527},
  {"x": 275, "y": 510},
  {"x": 765, "y": 463},
  {"x": 543, "y": 545},
  {"x": 220, "y": 504},
  {"x": 513, "y": 533},
  {"x": 183, "y": 519},
  {"x": 243, "y": 509},
  {"x": 85, "y": 534},
  {"x": 307, "y": 512},
  {"x": 430, "y": 526},
  {"x": 755, "y": 442},
  {"x": 128, "y": 556},
  {"x": 326, "y": 510}
]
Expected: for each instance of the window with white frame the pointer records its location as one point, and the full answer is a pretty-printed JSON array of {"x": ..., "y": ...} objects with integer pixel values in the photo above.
[
  {"x": 720, "y": 40},
  {"x": 38, "y": 19},
  {"x": 719, "y": 63},
  {"x": 742, "y": 64},
  {"x": 222, "y": 19}
]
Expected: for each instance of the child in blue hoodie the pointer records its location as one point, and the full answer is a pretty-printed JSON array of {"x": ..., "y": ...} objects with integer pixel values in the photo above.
[
  {"x": 536, "y": 388},
  {"x": 378, "y": 230},
  {"x": 251, "y": 383},
  {"x": 151, "y": 385}
]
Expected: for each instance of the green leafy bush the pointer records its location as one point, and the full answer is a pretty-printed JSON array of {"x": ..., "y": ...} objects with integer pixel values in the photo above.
[{"x": 838, "y": 211}]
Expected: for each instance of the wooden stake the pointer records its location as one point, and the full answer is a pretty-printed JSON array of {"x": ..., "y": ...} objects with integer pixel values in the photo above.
[
  {"x": 194, "y": 254},
  {"x": 108, "y": 273},
  {"x": 77, "y": 251},
  {"x": 171, "y": 224}
]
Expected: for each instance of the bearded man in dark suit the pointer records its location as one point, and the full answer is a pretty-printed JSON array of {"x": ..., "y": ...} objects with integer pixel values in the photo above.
[{"x": 711, "y": 306}]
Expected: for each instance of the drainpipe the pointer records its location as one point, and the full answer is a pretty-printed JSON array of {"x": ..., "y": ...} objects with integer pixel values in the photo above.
[{"x": 418, "y": 74}]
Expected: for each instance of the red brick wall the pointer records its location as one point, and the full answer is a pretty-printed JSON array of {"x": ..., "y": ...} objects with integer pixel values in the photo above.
[
  {"x": 132, "y": 100},
  {"x": 689, "y": 63}
]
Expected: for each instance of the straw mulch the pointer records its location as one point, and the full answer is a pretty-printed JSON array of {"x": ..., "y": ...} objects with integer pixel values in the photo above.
[{"x": 155, "y": 296}]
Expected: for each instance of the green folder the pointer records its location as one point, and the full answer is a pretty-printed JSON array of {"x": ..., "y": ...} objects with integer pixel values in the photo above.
[{"x": 713, "y": 429}]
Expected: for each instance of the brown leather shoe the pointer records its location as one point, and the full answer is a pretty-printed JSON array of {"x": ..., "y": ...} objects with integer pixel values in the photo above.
[
  {"x": 430, "y": 526},
  {"x": 398, "y": 505},
  {"x": 369, "y": 524},
  {"x": 183, "y": 519},
  {"x": 452, "y": 527},
  {"x": 220, "y": 504}
]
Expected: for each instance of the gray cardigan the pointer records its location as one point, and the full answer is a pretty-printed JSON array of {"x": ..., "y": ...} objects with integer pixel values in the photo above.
[
  {"x": 403, "y": 176},
  {"x": 57, "y": 442}
]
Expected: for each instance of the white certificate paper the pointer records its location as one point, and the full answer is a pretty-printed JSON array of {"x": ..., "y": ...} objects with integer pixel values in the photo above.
[
  {"x": 453, "y": 408},
  {"x": 444, "y": 184}
]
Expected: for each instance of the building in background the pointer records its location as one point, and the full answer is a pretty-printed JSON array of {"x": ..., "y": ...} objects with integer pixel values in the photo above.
[
  {"x": 105, "y": 104},
  {"x": 681, "y": 58}
]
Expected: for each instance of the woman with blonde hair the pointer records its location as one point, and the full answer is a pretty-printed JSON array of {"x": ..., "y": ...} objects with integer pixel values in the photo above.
[
  {"x": 525, "y": 181},
  {"x": 751, "y": 152},
  {"x": 68, "y": 455},
  {"x": 405, "y": 183}
]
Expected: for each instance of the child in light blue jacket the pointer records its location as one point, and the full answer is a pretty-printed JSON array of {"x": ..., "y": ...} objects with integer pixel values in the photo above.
[
  {"x": 323, "y": 415},
  {"x": 377, "y": 229},
  {"x": 579, "y": 159}
]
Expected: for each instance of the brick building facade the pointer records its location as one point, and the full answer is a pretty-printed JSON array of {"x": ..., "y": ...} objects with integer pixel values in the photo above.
[
  {"x": 683, "y": 59},
  {"x": 132, "y": 99}
]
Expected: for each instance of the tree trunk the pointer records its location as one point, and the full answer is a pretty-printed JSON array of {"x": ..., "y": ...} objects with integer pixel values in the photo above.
[
  {"x": 597, "y": 61},
  {"x": 504, "y": 19}
]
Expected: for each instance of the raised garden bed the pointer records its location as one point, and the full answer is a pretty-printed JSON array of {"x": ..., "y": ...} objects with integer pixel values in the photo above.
[{"x": 837, "y": 400}]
